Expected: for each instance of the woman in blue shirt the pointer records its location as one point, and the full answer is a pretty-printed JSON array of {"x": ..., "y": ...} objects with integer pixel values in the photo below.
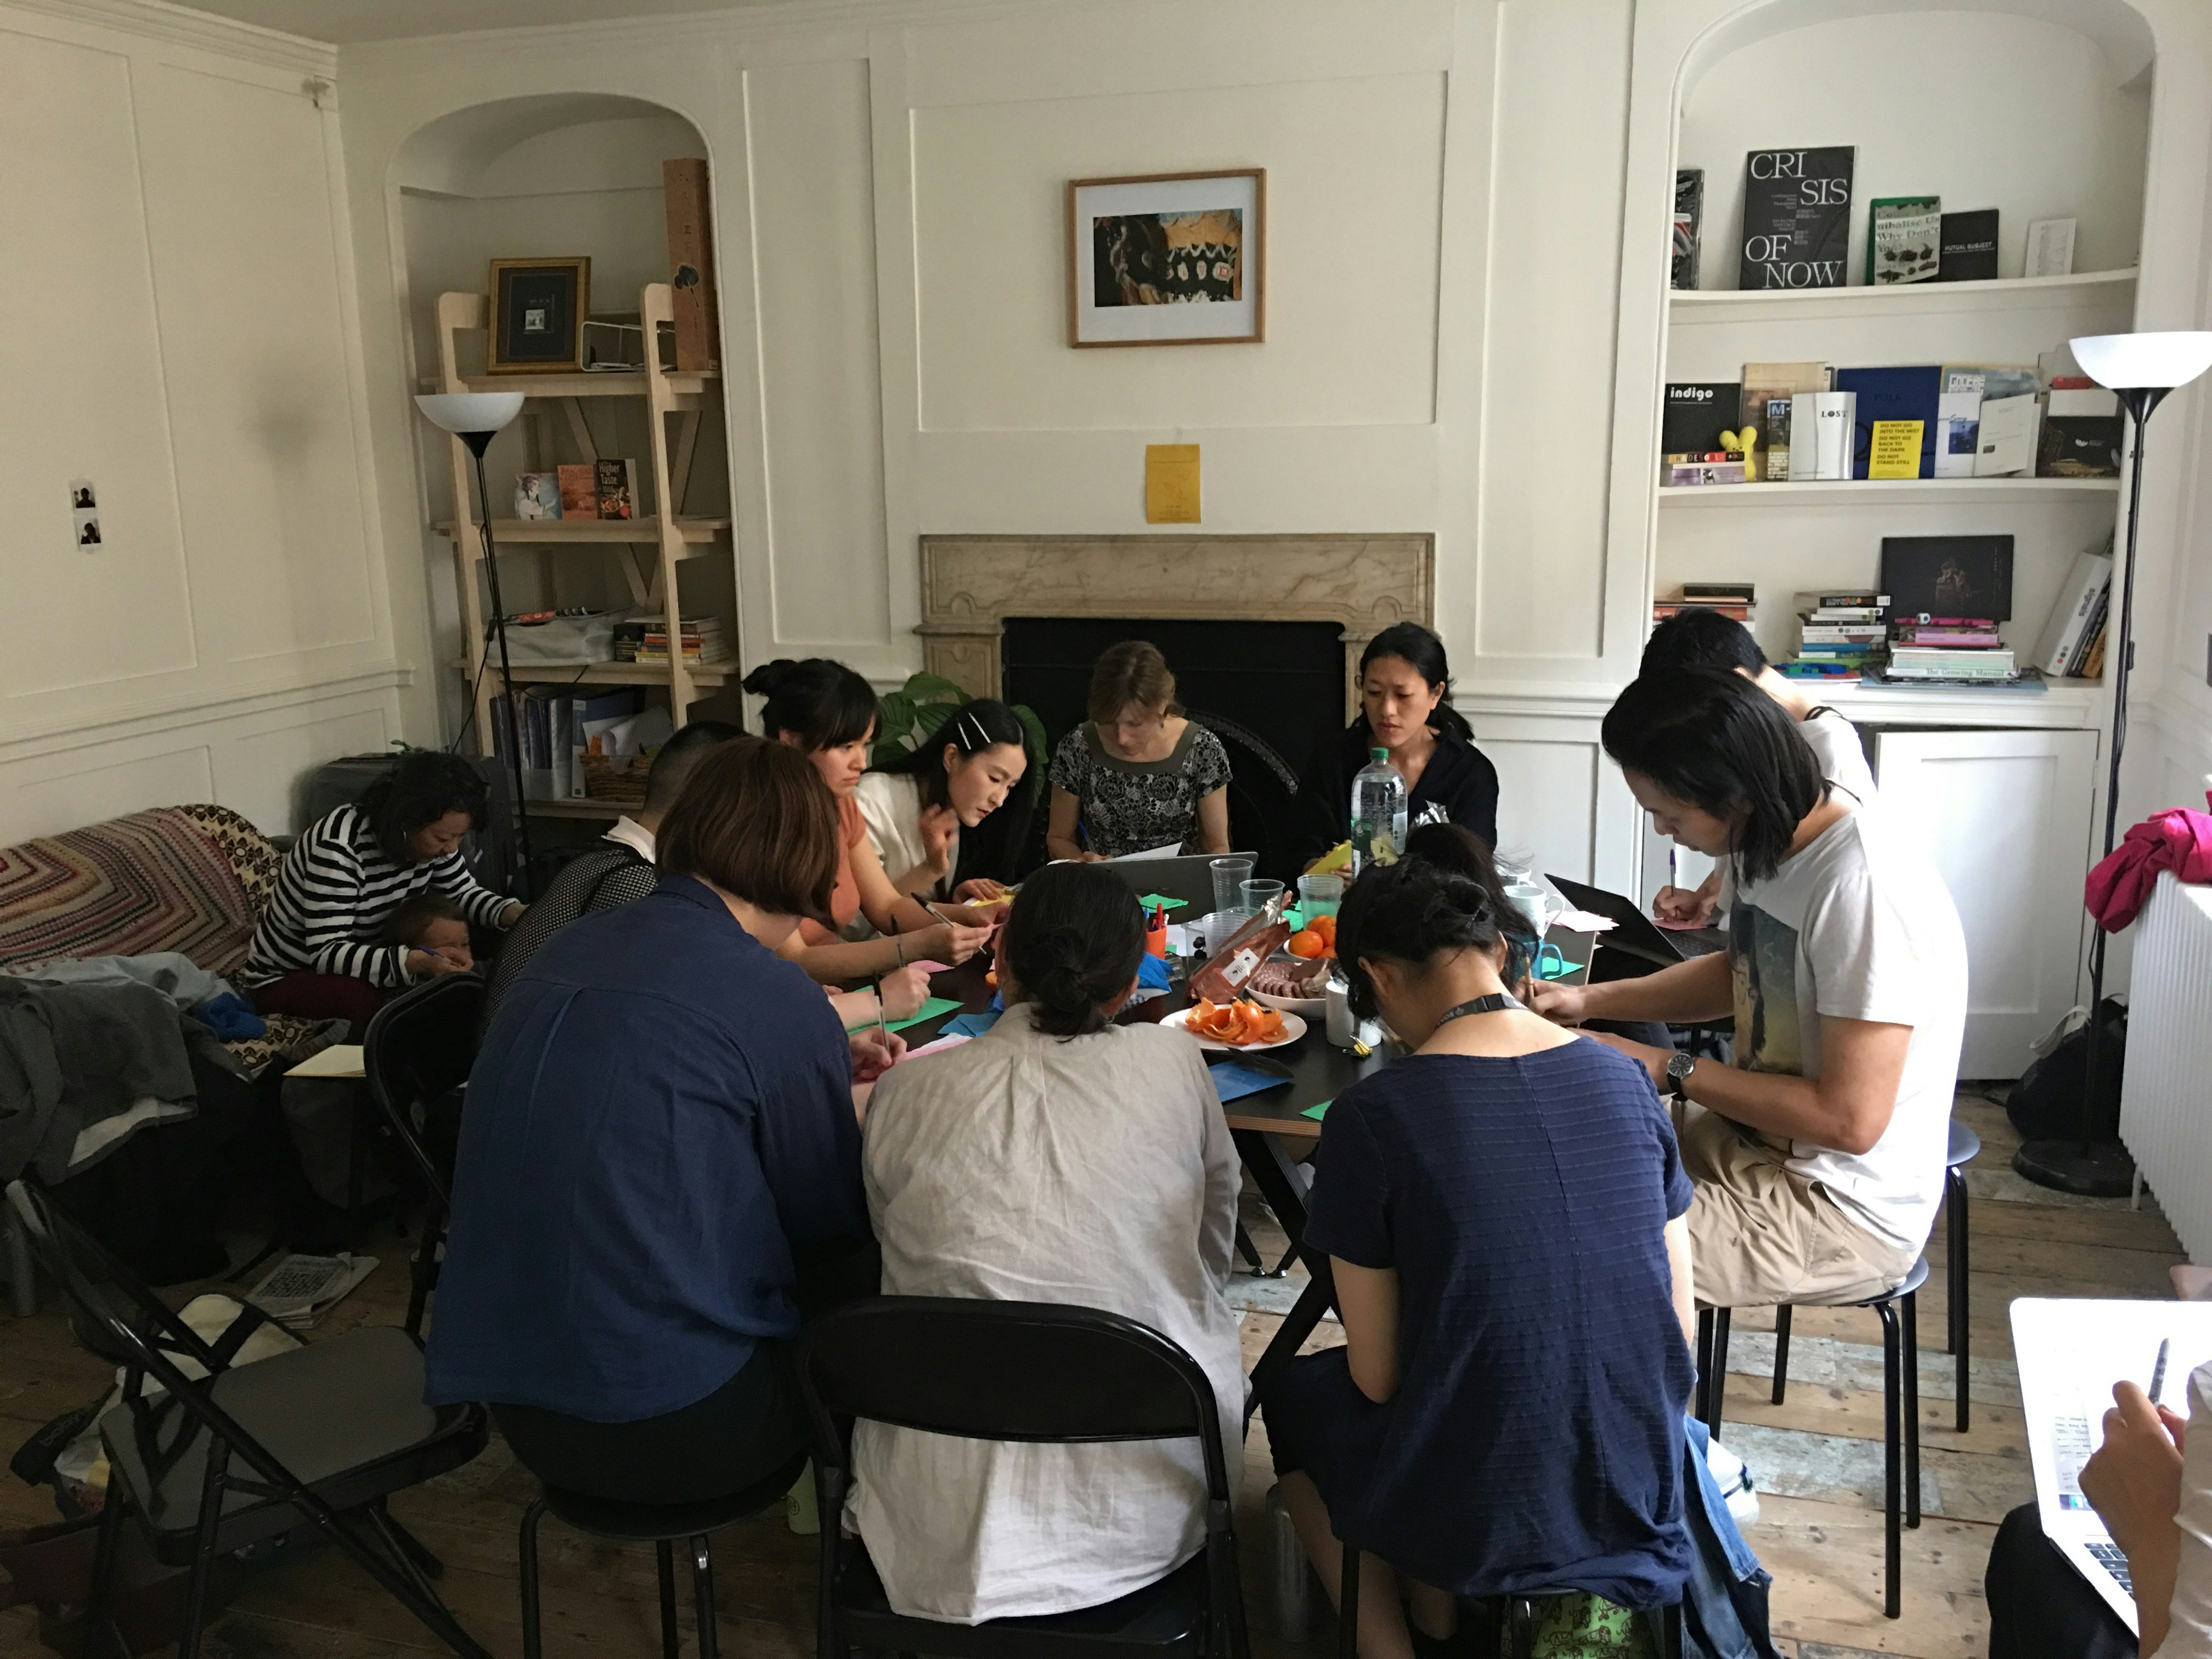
[
  {"x": 660, "y": 1129},
  {"x": 1503, "y": 1212}
]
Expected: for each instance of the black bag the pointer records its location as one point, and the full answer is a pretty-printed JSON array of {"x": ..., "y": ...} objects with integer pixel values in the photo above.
[{"x": 2045, "y": 1105}]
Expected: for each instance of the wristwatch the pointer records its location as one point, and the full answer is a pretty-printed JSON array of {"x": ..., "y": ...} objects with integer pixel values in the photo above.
[{"x": 1678, "y": 1074}]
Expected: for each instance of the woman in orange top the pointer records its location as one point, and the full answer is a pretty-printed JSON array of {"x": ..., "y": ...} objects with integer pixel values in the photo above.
[{"x": 828, "y": 712}]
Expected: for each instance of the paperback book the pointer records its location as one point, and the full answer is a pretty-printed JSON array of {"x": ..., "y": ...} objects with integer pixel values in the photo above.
[
  {"x": 615, "y": 485},
  {"x": 1692, "y": 416},
  {"x": 1905, "y": 400},
  {"x": 1904, "y": 240},
  {"x": 1970, "y": 246},
  {"x": 1689, "y": 212},
  {"x": 1796, "y": 218},
  {"x": 537, "y": 496},
  {"x": 1769, "y": 392},
  {"x": 580, "y": 489}
]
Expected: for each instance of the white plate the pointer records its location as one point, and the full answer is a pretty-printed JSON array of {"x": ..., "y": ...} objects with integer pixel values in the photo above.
[
  {"x": 1293, "y": 1029},
  {"x": 1313, "y": 1005}
]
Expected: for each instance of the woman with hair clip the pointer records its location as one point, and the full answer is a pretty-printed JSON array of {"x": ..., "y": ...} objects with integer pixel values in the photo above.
[
  {"x": 972, "y": 773},
  {"x": 1818, "y": 1149},
  {"x": 1502, "y": 1210},
  {"x": 828, "y": 712},
  {"x": 1405, "y": 710},
  {"x": 1057, "y": 1157}
]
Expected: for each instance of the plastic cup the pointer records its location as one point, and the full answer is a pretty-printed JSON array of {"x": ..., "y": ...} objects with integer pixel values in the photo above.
[
  {"x": 1229, "y": 876},
  {"x": 1319, "y": 896},
  {"x": 1257, "y": 895}
]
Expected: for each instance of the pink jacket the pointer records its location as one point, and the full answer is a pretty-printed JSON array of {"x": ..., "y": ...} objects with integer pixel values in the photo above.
[{"x": 2179, "y": 840}]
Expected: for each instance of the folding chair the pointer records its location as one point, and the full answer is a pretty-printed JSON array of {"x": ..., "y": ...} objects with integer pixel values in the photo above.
[
  {"x": 324, "y": 1433},
  {"x": 1030, "y": 1371},
  {"x": 417, "y": 1054}
]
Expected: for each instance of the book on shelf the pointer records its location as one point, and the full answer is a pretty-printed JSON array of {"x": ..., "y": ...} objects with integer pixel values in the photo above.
[
  {"x": 591, "y": 719},
  {"x": 615, "y": 488},
  {"x": 537, "y": 496},
  {"x": 1820, "y": 424},
  {"x": 1915, "y": 662},
  {"x": 1769, "y": 390},
  {"x": 1719, "y": 593},
  {"x": 2075, "y": 615},
  {"x": 1853, "y": 599},
  {"x": 1796, "y": 218},
  {"x": 1959, "y": 411},
  {"x": 2049, "y": 250},
  {"x": 1689, "y": 213},
  {"x": 1681, "y": 474},
  {"x": 1961, "y": 636},
  {"x": 580, "y": 489},
  {"x": 1905, "y": 400},
  {"x": 2093, "y": 663},
  {"x": 1904, "y": 240},
  {"x": 2006, "y": 443},
  {"x": 702, "y": 643},
  {"x": 1693, "y": 416},
  {"x": 1969, "y": 247}
]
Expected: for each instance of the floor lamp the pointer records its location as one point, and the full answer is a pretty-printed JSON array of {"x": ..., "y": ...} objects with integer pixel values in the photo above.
[
  {"x": 2141, "y": 368},
  {"x": 477, "y": 417}
]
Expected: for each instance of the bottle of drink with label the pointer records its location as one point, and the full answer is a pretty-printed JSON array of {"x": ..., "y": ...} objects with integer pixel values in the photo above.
[{"x": 1378, "y": 813}]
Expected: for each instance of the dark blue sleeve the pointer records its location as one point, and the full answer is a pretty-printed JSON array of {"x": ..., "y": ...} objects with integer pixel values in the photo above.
[
  {"x": 1674, "y": 1178},
  {"x": 808, "y": 1141},
  {"x": 1348, "y": 1212}
]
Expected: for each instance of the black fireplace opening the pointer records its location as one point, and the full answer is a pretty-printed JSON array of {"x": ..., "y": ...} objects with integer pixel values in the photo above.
[{"x": 1272, "y": 692}]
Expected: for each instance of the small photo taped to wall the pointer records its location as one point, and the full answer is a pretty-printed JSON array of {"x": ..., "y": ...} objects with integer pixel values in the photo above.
[{"x": 84, "y": 513}]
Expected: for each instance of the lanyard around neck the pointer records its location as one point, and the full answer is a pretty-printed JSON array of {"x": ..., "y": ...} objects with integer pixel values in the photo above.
[{"x": 1496, "y": 1002}]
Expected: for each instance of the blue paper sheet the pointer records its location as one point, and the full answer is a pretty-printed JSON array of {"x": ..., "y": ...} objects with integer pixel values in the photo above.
[
  {"x": 970, "y": 1026},
  {"x": 1233, "y": 1082}
]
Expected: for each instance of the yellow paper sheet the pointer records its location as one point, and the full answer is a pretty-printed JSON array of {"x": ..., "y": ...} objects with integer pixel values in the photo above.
[
  {"x": 1171, "y": 484},
  {"x": 339, "y": 1059},
  {"x": 1896, "y": 450}
]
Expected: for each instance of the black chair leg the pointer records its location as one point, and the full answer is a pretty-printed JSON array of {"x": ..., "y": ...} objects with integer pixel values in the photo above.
[
  {"x": 1347, "y": 1605},
  {"x": 389, "y": 1534},
  {"x": 1955, "y": 1266},
  {"x": 98, "y": 1613},
  {"x": 1781, "y": 1352},
  {"x": 1911, "y": 1333},
  {"x": 424, "y": 1559},
  {"x": 528, "y": 1552},
  {"x": 421, "y": 1271},
  {"x": 1248, "y": 1250},
  {"x": 213, "y": 1485},
  {"x": 1716, "y": 1389},
  {"x": 1892, "y": 1473},
  {"x": 702, "y": 1593},
  {"x": 1521, "y": 1626},
  {"x": 664, "y": 1561}
]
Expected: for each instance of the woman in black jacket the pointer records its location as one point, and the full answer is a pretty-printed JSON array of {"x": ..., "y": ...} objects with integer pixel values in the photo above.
[{"x": 1404, "y": 684}]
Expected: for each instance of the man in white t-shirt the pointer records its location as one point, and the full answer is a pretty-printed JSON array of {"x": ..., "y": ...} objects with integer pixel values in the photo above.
[
  {"x": 1818, "y": 1153},
  {"x": 1702, "y": 638}
]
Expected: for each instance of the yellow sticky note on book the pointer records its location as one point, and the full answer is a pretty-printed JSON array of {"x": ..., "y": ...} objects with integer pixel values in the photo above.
[
  {"x": 1894, "y": 451},
  {"x": 1171, "y": 484}
]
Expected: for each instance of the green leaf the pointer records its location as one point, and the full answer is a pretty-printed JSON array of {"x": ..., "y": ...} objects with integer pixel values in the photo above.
[{"x": 926, "y": 689}]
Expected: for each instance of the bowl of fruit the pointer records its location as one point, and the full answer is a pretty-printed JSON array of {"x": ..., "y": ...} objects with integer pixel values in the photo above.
[{"x": 1291, "y": 980}]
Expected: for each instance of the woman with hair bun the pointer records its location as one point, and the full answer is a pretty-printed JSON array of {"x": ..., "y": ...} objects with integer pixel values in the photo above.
[
  {"x": 972, "y": 773},
  {"x": 1502, "y": 1211},
  {"x": 1057, "y": 1157},
  {"x": 828, "y": 712},
  {"x": 1404, "y": 709}
]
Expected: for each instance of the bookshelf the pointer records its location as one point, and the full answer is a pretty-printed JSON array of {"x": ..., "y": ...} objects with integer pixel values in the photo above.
[
  {"x": 1890, "y": 492},
  {"x": 648, "y": 553}
]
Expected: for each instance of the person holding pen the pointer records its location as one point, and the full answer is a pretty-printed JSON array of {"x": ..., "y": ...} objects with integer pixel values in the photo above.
[
  {"x": 1818, "y": 1153},
  {"x": 1138, "y": 773}
]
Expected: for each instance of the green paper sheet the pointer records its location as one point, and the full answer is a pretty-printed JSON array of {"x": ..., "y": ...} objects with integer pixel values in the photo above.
[
  {"x": 930, "y": 1010},
  {"x": 1317, "y": 1112},
  {"x": 1161, "y": 900}
]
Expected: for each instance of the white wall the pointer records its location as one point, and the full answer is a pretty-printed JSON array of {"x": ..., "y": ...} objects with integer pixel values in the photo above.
[{"x": 178, "y": 278}]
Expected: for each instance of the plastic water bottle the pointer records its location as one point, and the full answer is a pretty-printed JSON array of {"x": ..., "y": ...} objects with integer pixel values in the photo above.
[{"x": 1378, "y": 813}]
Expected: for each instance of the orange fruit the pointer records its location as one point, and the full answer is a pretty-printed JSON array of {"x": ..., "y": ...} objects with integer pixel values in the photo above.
[
  {"x": 1325, "y": 926},
  {"x": 1308, "y": 943}
]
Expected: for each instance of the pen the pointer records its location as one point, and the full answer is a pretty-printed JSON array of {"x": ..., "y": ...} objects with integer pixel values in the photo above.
[
  {"x": 882, "y": 1030},
  {"x": 1673, "y": 853},
  {"x": 2157, "y": 1370}
]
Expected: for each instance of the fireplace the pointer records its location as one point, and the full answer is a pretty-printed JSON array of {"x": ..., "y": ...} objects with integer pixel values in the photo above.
[{"x": 1264, "y": 634}]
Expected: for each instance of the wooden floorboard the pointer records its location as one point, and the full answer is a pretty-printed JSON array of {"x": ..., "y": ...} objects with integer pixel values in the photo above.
[{"x": 1822, "y": 1540}]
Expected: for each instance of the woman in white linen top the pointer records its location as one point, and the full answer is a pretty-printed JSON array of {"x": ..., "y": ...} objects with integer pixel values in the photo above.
[
  {"x": 970, "y": 770},
  {"x": 1058, "y": 1159}
]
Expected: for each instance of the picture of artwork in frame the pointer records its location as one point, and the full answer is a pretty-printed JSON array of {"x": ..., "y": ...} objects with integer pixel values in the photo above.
[
  {"x": 1177, "y": 258},
  {"x": 537, "y": 308}
]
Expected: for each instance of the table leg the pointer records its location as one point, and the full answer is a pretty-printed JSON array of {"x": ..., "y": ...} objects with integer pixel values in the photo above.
[{"x": 1283, "y": 1184}]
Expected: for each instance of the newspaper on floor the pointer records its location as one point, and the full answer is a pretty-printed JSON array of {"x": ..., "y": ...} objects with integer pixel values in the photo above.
[{"x": 301, "y": 1289}]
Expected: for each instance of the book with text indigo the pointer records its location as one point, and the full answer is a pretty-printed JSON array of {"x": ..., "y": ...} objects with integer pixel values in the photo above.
[
  {"x": 1695, "y": 414},
  {"x": 1796, "y": 218},
  {"x": 1905, "y": 394}
]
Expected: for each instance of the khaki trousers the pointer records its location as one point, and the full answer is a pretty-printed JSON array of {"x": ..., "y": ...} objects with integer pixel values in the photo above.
[{"x": 1760, "y": 1235}]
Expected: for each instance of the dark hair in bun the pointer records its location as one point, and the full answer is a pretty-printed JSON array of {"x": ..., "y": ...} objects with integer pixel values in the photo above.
[
  {"x": 1072, "y": 942},
  {"x": 1443, "y": 897},
  {"x": 825, "y": 703}
]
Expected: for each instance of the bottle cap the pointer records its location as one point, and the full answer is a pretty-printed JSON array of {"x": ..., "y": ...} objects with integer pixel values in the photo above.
[{"x": 1378, "y": 753}]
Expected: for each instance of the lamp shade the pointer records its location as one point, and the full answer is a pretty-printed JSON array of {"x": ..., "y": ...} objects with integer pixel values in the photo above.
[
  {"x": 2124, "y": 361},
  {"x": 460, "y": 412}
]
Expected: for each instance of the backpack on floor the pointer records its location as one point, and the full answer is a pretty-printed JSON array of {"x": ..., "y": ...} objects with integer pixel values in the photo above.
[{"x": 2046, "y": 1102}]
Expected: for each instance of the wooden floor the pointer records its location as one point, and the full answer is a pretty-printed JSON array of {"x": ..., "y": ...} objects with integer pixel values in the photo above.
[{"x": 1817, "y": 1458}]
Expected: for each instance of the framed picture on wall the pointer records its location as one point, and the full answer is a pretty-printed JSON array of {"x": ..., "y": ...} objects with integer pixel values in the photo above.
[
  {"x": 1177, "y": 258},
  {"x": 537, "y": 308}
]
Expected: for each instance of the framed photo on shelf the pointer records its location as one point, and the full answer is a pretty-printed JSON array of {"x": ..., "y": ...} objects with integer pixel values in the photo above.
[
  {"x": 537, "y": 308},
  {"x": 1174, "y": 258}
]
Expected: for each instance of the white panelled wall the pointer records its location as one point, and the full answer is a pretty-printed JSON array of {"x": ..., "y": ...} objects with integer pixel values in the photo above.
[{"x": 179, "y": 279}]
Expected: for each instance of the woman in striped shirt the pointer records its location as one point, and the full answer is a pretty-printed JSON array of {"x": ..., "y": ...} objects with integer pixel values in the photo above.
[{"x": 316, "y": 948}]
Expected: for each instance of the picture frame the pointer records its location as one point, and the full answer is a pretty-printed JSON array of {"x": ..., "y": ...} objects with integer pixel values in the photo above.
[
  {"x": 538, "y": 309},
  {"x": 1168, "y": 258}
]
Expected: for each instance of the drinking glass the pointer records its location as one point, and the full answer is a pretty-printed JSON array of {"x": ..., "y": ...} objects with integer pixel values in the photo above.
[
  {"x": 1259, "y": 895},
  {"x": 1229, "y": 876},
  {"x": 1319, "y": 896}
]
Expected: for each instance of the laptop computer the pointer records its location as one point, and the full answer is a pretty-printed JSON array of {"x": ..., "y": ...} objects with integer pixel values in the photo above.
[
  {"x": 1634, "y": 932},
  {"x": 2070, "y": 1353},
  {"x": 1189, "y": 878}
]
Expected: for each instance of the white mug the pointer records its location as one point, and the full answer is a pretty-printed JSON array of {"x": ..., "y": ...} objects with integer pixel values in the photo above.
[{"x": 1532, "y": 902}]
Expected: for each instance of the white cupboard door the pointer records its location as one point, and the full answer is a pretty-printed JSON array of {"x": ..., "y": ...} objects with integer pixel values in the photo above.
[{"x": 2006, "y": 816}]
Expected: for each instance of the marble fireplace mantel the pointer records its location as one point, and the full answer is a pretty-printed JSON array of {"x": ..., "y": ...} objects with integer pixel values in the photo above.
[{"x": 971, "y": 584}]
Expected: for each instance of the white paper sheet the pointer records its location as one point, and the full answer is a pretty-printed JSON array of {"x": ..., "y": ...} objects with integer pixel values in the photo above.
[
  {"x": 339, "y": 1059},
  {"x": 1173, "y": 850}
]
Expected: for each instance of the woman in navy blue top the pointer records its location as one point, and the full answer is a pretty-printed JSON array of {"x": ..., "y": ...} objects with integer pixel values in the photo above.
[
  {"x": 1502, "y": 1211},
  {"x": 660, "y": 1127}
]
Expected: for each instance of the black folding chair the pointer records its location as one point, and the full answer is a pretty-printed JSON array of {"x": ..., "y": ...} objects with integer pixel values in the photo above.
[
  {"x": 1017, "y": 1372},
  {"x": 417, "y": 1053},
  {"x": 324, "y": 1433}
]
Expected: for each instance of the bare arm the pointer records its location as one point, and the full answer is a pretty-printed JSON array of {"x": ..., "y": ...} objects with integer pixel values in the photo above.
[
  {"x": 1214, "y": 822},
  {"x": 1700, "y": 989},
  {"x": 1678, "y": 1268},
  {"x": 1060, "y": 833},
  {"x": 1367, "y": 1302}
]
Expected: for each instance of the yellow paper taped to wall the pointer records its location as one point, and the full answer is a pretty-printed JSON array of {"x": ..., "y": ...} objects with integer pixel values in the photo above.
[{"x": 1171, "y": 484}]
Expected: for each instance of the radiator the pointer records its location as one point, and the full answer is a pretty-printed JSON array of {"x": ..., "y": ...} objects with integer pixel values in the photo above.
[{"x": 2165, "y": 1095}]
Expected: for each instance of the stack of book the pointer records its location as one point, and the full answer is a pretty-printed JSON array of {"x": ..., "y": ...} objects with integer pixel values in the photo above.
[
  {"x": 2074, "y": 639},
  {"x": 560, "y": 727},
  {"x": 704, "y": 645},
  {"x": 1739, "y": 600},
  {"x": 1839, "y": 634},
  {"x": 1950, "y": 648}
]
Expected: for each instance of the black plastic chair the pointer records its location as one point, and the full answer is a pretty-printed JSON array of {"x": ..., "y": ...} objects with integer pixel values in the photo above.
[
  {"x": 325, "y": 1434},
  {"x": 1900, "y": 1400},
  {"x": 660, "y": 1525},
  {"x": 1031, "y": 1371},
  {"x": 417, "y": 1054}
]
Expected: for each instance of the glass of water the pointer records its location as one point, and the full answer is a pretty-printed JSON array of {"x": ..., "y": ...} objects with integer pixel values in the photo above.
[{"x": 1230, "y": 875}]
